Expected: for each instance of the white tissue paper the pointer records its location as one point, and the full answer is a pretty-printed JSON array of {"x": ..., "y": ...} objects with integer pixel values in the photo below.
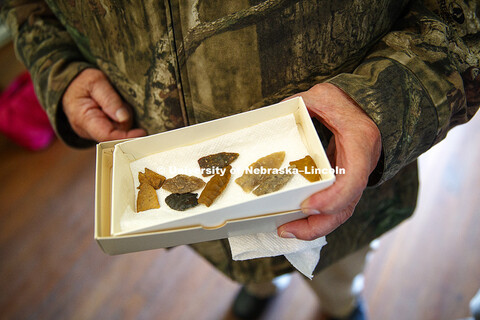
[
  {"x": 279, "y": 134},
  {"x": 303, "y": 255}
]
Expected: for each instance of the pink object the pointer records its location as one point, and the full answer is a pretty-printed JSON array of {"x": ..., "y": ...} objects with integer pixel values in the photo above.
[{"x": 22, "y": 119}]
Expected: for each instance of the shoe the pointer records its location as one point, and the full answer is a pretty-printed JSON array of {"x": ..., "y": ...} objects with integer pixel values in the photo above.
[
  {"x": 359, "y": 313},
  {"x": 248, "y": 306}
]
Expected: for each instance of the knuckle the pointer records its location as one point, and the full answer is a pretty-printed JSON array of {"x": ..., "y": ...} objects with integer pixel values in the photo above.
[
  {"x": 92, "y": 76},
  {"x": 313, "y": 232},
  {"x": 110, "y": 99},
  {"x": 93, "y": 73},
  {"x": 344, "y": 216},
  {"x": 100, "y": 135},
  {"x": 312, "y": 236},
  {"x": 75, "y": 122}
]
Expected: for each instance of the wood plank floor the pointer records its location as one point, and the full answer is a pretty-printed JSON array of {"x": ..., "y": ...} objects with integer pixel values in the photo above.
[
  {"x": 52, "y": 269},
  {"x": 429, "y": 267}
]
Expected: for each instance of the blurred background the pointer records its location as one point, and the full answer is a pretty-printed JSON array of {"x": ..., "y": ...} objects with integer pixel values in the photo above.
[{"x": 51, "y": 267}]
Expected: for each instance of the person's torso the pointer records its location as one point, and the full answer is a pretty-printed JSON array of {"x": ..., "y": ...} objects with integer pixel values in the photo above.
[{"x": 181, "y": 62}]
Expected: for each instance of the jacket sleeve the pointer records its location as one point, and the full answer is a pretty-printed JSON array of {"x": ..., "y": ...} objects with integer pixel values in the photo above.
[
  {"x": 50, "y": 55},
  {"x": 420, "y": 80}
]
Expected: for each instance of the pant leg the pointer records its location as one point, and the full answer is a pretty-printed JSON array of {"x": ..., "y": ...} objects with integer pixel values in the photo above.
[{"x": 333, "y": 285}]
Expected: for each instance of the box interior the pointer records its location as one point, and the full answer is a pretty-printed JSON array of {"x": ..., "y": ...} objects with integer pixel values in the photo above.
[{"x": 122, "y": 190}]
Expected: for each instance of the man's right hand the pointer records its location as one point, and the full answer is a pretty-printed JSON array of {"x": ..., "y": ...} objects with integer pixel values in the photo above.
[{"x": 96, "y": 111}]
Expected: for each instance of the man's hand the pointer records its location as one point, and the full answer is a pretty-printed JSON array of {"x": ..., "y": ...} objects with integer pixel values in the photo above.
[
  {"x": 355, "y": 146},
  {"x": 95, "y": 110}
]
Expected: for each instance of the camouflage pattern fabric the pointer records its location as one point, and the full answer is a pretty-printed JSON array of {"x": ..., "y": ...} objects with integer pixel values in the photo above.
[{"x": 413, "y": 66}]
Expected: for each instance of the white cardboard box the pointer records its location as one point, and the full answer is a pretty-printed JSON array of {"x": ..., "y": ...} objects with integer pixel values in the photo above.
[{"x": 263, "y": 214}]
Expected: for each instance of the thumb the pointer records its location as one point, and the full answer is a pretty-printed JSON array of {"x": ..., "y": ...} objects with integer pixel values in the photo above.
[{"x": 110, "y": 101}]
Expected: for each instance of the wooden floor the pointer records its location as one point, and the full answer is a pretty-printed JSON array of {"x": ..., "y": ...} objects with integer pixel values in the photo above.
[
  {"x": 51, "y": 268},
  {"x": 429, "y": 267}
]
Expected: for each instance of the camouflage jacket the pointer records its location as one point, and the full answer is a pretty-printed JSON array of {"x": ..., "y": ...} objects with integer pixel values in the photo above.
[{"x": 413, "y": 66}]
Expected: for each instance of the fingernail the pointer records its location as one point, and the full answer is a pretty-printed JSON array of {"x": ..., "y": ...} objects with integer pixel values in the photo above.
[
  {"x": 307, "y": 208},
  {"x": 310, "y": 211},
  {"x": 287, "y": 235},
  {"x": 122, "y": 115}
]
